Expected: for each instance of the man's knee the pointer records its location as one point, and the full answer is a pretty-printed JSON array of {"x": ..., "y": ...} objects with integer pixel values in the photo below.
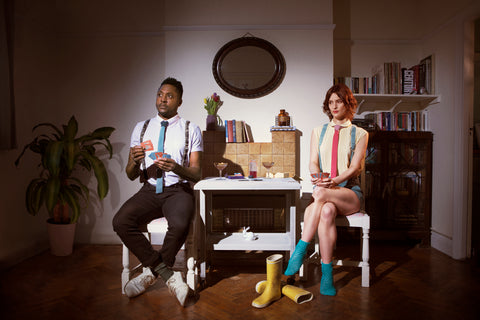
[
  {"x": 117, "y": 223},
  {"x": 120, "y": 221}
]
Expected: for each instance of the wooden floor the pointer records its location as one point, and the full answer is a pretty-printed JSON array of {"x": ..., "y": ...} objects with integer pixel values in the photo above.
[{"x": 407, "y": 282}]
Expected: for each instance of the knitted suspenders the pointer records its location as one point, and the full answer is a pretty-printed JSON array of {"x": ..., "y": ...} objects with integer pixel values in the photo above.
[
  {"x": 352, "y": 146},
  {"x": 185, "y": 151}
]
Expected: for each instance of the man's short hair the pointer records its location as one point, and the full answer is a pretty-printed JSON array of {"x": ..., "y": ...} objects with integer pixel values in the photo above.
[{"x": 174, "y": 82}]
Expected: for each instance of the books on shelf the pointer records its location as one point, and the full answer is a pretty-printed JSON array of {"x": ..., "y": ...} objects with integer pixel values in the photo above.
[
  {"x": 399, "y": 121},
  {"x": 427, "y": 65},
  {"x": 392, "y": 78},
  {"x": 237, "y": 131},
  {"x": 408, "y": 81},
  {"x": 357, "y": 84}
]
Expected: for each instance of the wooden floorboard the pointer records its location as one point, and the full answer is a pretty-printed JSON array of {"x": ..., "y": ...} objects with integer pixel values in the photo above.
[{"x": 407, "y": 282}]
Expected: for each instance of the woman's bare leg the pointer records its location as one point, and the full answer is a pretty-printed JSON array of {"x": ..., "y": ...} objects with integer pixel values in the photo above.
[
  {"x": 327, "y": 231},
  {"x": 311, "y": 218}
]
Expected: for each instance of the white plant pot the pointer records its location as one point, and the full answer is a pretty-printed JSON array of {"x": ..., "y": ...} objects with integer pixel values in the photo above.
[{"x": 61, "y": 238}]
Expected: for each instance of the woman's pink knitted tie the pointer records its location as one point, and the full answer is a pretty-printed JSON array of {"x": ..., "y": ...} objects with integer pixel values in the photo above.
[{"x": 333, "y": 172}]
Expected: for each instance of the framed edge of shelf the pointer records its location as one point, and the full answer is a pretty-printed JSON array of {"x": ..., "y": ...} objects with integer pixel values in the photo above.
[{"x": 394, "y": 102}]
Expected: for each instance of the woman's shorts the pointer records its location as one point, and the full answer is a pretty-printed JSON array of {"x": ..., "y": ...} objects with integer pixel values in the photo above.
[{"x": 358, "y": 192}]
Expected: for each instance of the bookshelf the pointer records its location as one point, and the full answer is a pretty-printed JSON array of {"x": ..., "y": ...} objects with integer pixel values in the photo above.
[
  {"x": 394, "y": 102},
  {"x": 398, "y": 185}
]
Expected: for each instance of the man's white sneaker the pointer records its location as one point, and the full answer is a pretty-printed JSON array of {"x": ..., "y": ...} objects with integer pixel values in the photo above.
[
  {"x": 139, "y": 284},
  {"x": 178, "y": 287}
]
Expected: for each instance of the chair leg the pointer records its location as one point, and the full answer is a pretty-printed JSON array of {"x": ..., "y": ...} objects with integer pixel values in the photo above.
[
  {"x": 126, "y": 267},
  {"x": 192, "y": 273},
  {"x": 365, "y": 258},
  {"x": 126, "y": 272}
]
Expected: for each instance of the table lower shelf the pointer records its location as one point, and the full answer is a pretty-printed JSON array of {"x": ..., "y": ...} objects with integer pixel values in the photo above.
[{"x": 265, "y": 241}]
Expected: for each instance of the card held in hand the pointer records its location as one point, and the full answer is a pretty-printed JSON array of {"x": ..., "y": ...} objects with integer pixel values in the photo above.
[
  {"x": 157, "y": 155},
  {"x": 147, "y": 145}
]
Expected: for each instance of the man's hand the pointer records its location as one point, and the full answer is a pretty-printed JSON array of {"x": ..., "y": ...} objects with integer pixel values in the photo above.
[
  {"x": 166, "y": 164},
  {"x": 135, "y": 156},
  {"x": 137, "y": 153}
]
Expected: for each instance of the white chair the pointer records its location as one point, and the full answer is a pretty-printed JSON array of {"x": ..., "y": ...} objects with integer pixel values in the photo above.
[{"x": 356, "y": 220}]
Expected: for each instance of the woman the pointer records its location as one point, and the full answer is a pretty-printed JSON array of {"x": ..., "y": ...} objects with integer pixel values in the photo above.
[{"x": 338, "y": 194}]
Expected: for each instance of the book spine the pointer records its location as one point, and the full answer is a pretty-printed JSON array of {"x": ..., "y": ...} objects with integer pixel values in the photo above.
[
  {"x": 234, "y": 130},
  {"x": 230, "y": 131},
  {"x": 407, "y": 81},
  {"x": 226, "y": 130},
  {"x": 239, "y": 131}
]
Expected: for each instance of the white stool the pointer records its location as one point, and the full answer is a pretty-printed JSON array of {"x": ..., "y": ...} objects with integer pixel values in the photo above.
[{"x": 356, "y": 220}]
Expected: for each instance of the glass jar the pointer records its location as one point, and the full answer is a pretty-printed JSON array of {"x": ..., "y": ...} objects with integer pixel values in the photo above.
[{"x": 283, "y": 118}]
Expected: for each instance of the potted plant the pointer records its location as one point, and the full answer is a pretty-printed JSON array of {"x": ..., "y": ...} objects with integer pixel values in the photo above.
[
  {"x": 57, "y": 187},
  {"x": 212, "y": 104}
]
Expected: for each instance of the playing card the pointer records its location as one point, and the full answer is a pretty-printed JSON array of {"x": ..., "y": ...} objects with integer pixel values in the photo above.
[{"x": 157, "y": 155}]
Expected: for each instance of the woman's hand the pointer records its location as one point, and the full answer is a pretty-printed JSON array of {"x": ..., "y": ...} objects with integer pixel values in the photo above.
[
  {"x": 327, "y": 183},
  {"x": 317, "y": 180}
]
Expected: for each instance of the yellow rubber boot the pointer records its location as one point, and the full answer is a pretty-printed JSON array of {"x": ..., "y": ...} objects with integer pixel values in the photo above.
[
  {"x": 298, "y": 295},
  {"x": 272, "y": 291}
]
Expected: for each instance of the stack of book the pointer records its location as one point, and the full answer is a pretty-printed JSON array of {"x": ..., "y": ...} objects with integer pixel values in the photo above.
[
  {"x": 237, "y": 131},
  {"x": 399, "y": 121},
  {"x": 362, "y": 85},
  {"x": 392, "y": 78}
]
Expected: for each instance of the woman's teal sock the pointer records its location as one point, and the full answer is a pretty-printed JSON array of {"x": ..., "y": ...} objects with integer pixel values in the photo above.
[
  {"x": 296, "y": 260},
  {"x": 326, "y": 283}
]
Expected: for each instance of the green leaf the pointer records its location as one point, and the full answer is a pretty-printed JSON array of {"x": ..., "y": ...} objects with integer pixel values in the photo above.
[
  {"x": 100, "y": 173},
  {"x": 34, "y": 195},
  {"x": 52, "y": 157},
  {"x": 71, "y": 129},
  {"x": 103, "y": 132},
  {"x": 73, "y": 202},
  {"x": 51, "y": 192},
  {"x": 70, "y": 148},
  {"x": 80, "y": 189}
]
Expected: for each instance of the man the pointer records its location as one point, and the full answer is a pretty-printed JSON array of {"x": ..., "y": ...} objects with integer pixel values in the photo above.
[{"x": 166, "y": 168}]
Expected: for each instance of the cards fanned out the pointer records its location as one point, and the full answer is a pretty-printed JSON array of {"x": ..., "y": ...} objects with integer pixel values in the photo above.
[{"x": 158, "y": 155}]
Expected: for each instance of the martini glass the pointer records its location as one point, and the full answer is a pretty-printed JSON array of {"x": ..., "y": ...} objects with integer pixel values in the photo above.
[
  {"x": 220, "y": 166},
  {"x": 268, "y": 165}
]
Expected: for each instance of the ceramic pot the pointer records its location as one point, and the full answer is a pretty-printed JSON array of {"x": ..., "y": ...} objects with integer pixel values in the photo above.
[{"x": 61, "y": 237}]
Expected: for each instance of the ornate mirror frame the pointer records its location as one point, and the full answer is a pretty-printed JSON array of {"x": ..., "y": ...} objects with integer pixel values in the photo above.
[{"x": 264, "y": 89}]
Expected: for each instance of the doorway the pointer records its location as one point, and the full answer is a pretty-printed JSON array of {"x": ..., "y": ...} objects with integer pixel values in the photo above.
[{"x": 475, "y": 232}]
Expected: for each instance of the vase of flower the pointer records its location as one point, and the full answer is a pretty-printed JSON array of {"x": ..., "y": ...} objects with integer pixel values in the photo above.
[
  {"x": 211, "y": 122},
  {"x": 212, "y": 104}
]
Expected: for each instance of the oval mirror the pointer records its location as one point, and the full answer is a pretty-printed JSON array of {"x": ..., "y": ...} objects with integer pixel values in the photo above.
[{"x": 248, "y": 67}]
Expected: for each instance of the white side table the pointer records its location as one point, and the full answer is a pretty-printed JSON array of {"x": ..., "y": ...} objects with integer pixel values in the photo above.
[{"x": 204, "y": 241}]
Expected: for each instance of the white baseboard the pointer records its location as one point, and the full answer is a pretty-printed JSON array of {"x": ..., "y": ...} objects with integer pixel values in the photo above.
[{"x": 441, "y": 243}]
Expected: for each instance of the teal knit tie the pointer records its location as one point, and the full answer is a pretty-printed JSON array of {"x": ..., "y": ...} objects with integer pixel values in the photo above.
[{"x": 161, "y": 140}]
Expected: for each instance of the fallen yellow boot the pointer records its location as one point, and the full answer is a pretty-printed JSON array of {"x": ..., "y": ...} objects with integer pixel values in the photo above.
[
  {"x": 298, "y": 295},
  {"x": 271, "y": 290}
]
